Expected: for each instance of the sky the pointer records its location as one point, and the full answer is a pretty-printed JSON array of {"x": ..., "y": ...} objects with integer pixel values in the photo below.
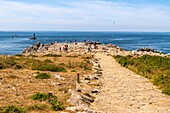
[{"x": 85, "y": 15}]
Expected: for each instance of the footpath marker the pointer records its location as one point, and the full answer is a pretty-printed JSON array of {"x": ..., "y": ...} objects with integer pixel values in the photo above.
[
  {"x": 49, "y": 96},
  {"x": 78, "y": 77}
]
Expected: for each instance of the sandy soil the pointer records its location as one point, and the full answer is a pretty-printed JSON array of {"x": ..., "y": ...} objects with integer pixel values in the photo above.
[{"x": 125, "y": 92}]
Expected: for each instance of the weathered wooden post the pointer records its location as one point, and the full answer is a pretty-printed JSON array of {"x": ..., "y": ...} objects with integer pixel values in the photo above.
[
  {"x": 78, "y": 77},
  {"x": 49, "y": 96},
  {"x": 99, "y": 66},
  {"x": 85, "y": 67}
]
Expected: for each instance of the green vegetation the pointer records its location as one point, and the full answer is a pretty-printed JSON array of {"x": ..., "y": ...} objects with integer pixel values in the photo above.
[
  {"x": 10, "y": 62},
  {"x": 55, "y": 104},
  {"x": 7, "y": 62},
  {"x": 39, "y": 96},
  {"x": 73, "y": 71},
  {"x": 82, "y": 64},
  {"x": 19, "y": 55},
  {"x": 71, "y": 64},
  {"x": 31, "y": 55},
  {"x": 72, "y": 56},
  {"x": 38, "y": 107},
  {"x": 48, "y": 61},
  {"x": 88, "y": 57},
  {"x": 43, "y": 76},
  {"x": 48, "y": 67},
  {"x": 23, "y": 62},
  {"x": 12, "y": 109},
  {"x": 156, "y": 68},
  {"x": 18, "y": 66},
  {"x": 52, "y": 55},
  {"x": 86, "y": 64}
]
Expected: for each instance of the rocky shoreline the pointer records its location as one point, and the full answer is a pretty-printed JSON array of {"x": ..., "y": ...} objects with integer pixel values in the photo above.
[{"x": 110, "y": 49}]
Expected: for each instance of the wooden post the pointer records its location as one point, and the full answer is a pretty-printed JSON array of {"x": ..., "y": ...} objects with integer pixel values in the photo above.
[
  {"x": 99, "y": 66},
  {"x": 78, "y": 78},
  {"x": 49, "y": 97},
  {"x": 85, "y": 67}
]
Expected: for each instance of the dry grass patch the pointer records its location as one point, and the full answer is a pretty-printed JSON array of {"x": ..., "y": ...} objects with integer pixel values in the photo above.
[{"x": 18, "y": 85}]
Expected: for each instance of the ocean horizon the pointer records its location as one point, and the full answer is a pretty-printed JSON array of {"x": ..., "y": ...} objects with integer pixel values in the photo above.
[{"x": 14, "y": 42}]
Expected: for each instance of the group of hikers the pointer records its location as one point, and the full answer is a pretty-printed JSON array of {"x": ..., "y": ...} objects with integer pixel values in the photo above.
[{"x": 65, "y": 47}]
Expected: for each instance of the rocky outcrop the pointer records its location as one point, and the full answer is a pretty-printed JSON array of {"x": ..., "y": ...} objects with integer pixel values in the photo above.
[
  {"x": 109, "y": 49},
  {"x": 34, "y": 48}
]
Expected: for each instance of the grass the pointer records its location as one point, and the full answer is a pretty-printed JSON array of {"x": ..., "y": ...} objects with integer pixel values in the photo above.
[
  {"x": 43, "y": 76},
  {"x": 48, "y": 67},
  {"x": 35, "y": 64},
  {"x": 155, "y": 68},
  {"x": 86, "y": 64},
  {"x": 12, "y": 109},
  {"x": 26, "y": 89},
  {"x": 46, "y": 64},
  {"x": 37, "y": 107},
  {"x": 72, "y": 56},
  {"x": 7, "y": 62},
  {"x": 10, "y": 62}
]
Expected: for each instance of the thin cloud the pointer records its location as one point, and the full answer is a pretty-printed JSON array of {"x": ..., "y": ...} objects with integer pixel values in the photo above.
[{"x": 83, "y": 15}]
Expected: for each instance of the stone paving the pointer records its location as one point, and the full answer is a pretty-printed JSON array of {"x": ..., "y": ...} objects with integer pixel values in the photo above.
[{"x": 126, "y": 92}]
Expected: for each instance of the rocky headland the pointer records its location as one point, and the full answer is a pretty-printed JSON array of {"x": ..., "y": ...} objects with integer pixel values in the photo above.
[{"x": 110, "y": 49}]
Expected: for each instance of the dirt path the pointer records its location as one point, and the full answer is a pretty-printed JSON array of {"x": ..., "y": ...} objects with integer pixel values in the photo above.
[{"x": 125, "y": 92}]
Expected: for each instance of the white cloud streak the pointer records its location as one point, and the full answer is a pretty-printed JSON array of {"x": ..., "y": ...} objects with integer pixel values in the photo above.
[{"x": 83, "y": 15}]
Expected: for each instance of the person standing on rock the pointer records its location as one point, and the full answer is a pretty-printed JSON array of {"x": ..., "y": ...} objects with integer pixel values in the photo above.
[
  {"x": 90, "y": 49},
  {"x": 60, "y": 49}
]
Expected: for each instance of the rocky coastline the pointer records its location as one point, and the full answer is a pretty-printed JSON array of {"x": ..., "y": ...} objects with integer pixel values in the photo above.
[{"x": 83, "y": 47}]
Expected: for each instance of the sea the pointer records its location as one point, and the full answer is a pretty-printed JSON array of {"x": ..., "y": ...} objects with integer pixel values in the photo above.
[{"x": 12, "y": 43}]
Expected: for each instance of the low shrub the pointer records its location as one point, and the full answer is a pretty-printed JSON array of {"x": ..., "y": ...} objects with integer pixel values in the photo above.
[
  {"x": 12, "y": 109},
  {"x": 19, "y": 55},
  {"x": 166, "y": 91},
  {"x": 39, "y": 96},
  {"x": 72, "y": 56},
  {"x": 31, "y": 55},
  {"x": 73, "y": 71},
  {"x": 62, "y": 64},
  {"x": 52, "y": 55},
  {"x": 38, "y": 107},
  {"x": 124, "y": 61},
  {"x": 10, "y": 61},
  {"x": 71, "y": 64},
  {"x": 43, "y": 76},
  {"x": 85, "y": 64},
  {"x": 56, "y": 105},
  {"x": 18, "y": 66},
  {"x": 47, "y": 67},
  {"x": 7, "y": 62},
  {"x": 47, "y": 61}
]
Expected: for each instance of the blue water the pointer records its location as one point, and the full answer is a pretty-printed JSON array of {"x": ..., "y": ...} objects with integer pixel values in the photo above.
[{"x": 126, "y": 40}]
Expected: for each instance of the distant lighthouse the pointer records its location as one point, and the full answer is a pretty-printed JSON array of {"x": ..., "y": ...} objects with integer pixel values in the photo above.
[{"x": 33, "y": 36}]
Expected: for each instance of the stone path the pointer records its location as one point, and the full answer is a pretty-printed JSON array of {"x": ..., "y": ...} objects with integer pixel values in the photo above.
[{"x": 125, "y": 92}]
